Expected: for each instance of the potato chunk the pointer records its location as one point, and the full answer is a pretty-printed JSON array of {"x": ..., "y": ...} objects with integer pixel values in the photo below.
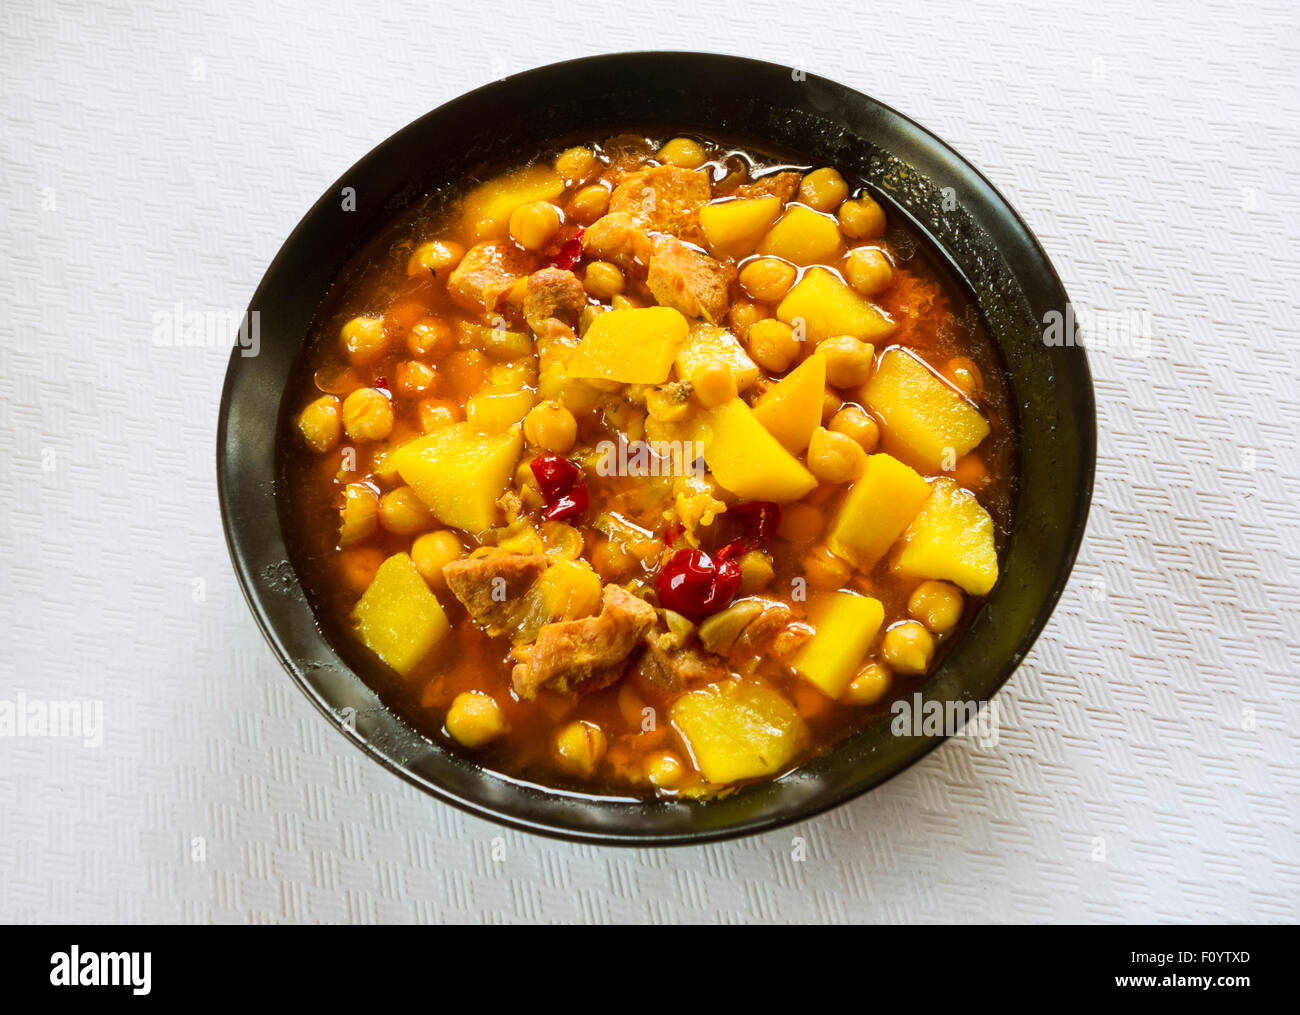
[
  {"x": 708, "y": 345},
  {"x": 803, "y": 236},
  {"x": 486, "y": 210},
  {"x": 497, "y": 410},
  {"x": 630, "y": 346},
  {"x": 950, "y": 539},
  {"x": 460, "y": 474},
  {"x": 847, "y": 624},
  {"x": 881, "y": 503},
  {"x": 828, "y": 307},
  {"x": 398, "y": 618},
  {"x": 736, "y": 730},
  {"x": 792, "y": 408},
  {"x": 923, "y": 415},
  {"x": 734, "y": 226},
  {"x": 749, "y": 461}
]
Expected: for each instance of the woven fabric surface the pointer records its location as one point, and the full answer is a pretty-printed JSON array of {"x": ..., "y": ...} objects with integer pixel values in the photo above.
[{"x": 1146, "y": 767}]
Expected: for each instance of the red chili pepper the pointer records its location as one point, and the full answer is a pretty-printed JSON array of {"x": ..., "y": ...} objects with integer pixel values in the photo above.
[
  {"x": 562, "y": 485},
  {"x": 570, "y": 252},
  {"x": 672, "y": 532},
  {"x": 695, "y": 585},
  {"x": 381, "y": 382},
  {"x": 759, "y": 517}
]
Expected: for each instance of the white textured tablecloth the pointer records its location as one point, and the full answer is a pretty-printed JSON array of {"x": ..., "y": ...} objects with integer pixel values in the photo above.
[{"x": 1147, "y": 762}]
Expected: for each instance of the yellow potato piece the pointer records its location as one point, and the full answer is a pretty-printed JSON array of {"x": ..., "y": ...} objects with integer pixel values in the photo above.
[
  {"x": 747, "y": 460},
  {"x": 497, "y": 411},
  {"x": 486, "y": 210},
  {"x": 803, "y": 236},
  {"x": 878, "y": 507},
  {"x": 847, "y": 624},
  {"x": 923, "y": 414},
  {"x": 630, "y": 346},
  {"x": 736, "y": 730},
  {"x": 791, "y": 409},
  {"x": 398, "y": 618},
  {"x": 950, "y": 539},
  {"x": 460, "y": 473},
  {"x": 733, "y": 226},
  {"x": 828, "y": 307},
  {"x": 708, "y": 345}
]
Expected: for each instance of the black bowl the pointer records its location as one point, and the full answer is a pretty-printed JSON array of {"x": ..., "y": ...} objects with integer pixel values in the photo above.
[{"x": 910, "y": 170}]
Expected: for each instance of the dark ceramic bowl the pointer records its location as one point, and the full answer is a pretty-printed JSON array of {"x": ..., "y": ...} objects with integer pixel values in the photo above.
[{"x": 772, "y": 107}]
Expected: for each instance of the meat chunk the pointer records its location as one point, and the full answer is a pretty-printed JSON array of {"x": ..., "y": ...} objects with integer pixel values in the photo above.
[
  {"x": 665, "y": 199},
  {"x": 618, "y": 238},
  {"x": 553, "y": 293},
  {"x": 676, "y": 668},
  {"x": 491, "y": 583},
  {"x": 687, "y": 280},
  {"x": 486, "y": 273},
  {"x": 784, "y": 185},
  {"x": 584, "y": 654}
]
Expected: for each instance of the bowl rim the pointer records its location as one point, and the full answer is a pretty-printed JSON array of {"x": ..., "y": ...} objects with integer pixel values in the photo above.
[{"x": 1076, "y": 524}]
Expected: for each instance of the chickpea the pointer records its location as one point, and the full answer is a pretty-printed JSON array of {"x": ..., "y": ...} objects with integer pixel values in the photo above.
[
  {"x": 835, "y": 457},
  {"x": 319, "y": 423},
  {"x": 364, "y": 339},
  {"x": 831, "y": 404},
  {"x": 854, "y": 422},
  {"x": 589, "y": 204},
  {"x": 966, "y": 376},
  {"x": 868, "y": 270},
  {"x": 579, "y": 397},
  {"x": 664, "y": 770},
  {"x": 971, "y": 472},
  {"x": 908, "y": 647},
  {"x": 714, "y": 384},
  {"x": 848, "y": 361},
  {"x": 439, "y": 255},
  {"x": 773, "y": 345},
  {"x": 575, "y": 163},
  {"x": 755, "y": 572},
  {"x": 430, "y": 338},
  {"x": 475, "y": 719},
  {"x": 580, "y": 747},
  {"x": 682, "y": 152},
  {"x": 767, "y": 279},
  {"x": 367, "y": 415},
  {"x": 861, "y": 219},
  {"x": 869, "y": 686},
  {"x": 823, "y": 190},
  {"x": 937, "y": 605},
  {"x": 744, "y": 315},
  {"x": 551, "y": 427},
  {"x": 534, "y": 225},
  {"x": 435, "y": 413},
  {"x": 432, "y": 552},
  {"x": 801, "y": 523},
  {"x": 359, "y": 516},
  {"x": 824, "y": 570},
  {"x": 413, "y": 378},
  {"x": 401, "y": 511},
  {"x": 603, "y": 280}
]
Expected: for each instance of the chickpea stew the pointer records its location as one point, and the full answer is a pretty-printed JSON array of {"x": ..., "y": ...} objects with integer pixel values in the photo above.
[{"x": 650, "y": 466}]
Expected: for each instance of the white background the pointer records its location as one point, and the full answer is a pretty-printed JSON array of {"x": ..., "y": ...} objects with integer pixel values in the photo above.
[{"x": 1146, "y": 768}]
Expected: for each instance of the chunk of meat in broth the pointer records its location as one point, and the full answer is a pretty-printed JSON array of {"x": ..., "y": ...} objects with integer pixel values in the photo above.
[
  {"x": 490, "y": 584},
  {"x": 486, "y": 273},
  {"x": 687, "y": 280}
]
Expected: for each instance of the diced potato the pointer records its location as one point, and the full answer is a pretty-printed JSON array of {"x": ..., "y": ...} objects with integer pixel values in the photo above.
[
  {"x": 567, "y": 590},
  {"x": 737, "y": 729},
  {"x": 792, "y": 408},
  {"x": 460, "y": 474},
  {"x": 923, "y": 415},
  {"x": 803, "y": 237},
  {"x": 487, "y": 208},
  {"x": 847, "y": 624},
  {"x": 630, "y": 346},
  {"x": 881, "y": 503},
  {"x": 747, "y": 460},
  {"x": 708, "y": 345},
  {"x": 951, "y": 539},
  {"x": 828, "y": 307},
  {"x": 733, "y": 226},
  {"x": 397, "y": 617},
  {"x": 496, "y": 411}
]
